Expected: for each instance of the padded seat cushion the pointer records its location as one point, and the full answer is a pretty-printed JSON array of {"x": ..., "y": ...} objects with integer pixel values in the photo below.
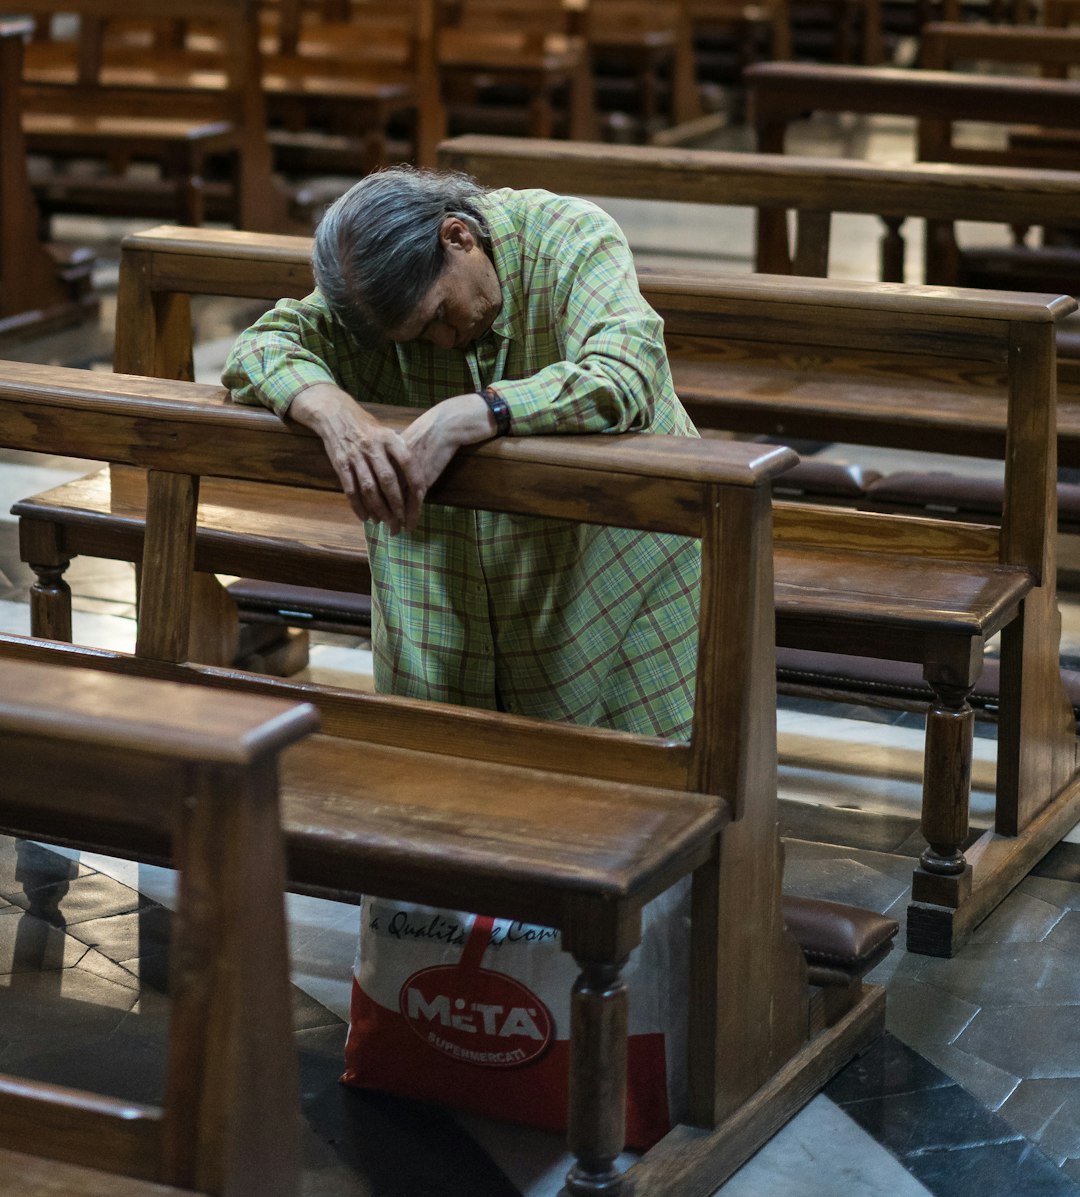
[
  {"x": 894, "y": 679},
  {"x": 840, "y": 942}
]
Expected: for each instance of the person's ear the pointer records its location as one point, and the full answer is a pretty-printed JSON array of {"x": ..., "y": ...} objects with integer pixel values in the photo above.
[{"x": 454, "y": 233}]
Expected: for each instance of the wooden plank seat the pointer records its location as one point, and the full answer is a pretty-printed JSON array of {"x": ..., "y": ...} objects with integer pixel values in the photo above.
[
  {"x": 91, "y": 98},
  {"x": 980, "y": 575},
  {"x": 41, "y": 285},
  {"x": 580, "y": 844},
  {"x": 201, "y": 777}
]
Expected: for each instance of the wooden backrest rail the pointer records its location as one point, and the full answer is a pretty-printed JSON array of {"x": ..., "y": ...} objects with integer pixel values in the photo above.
[
  {"x": 811, "y": 187},
  {"x": 204, "y": 774}
]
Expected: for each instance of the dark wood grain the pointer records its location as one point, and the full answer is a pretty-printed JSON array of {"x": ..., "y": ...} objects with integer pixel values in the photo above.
[{"x": 147, "y": 754}]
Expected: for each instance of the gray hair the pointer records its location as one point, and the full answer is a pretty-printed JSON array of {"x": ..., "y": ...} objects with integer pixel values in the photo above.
[{"x": 377, "y": 249}]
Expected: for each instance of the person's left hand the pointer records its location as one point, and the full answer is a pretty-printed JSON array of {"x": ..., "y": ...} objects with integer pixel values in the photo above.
[{"x": 436, "y": 435}]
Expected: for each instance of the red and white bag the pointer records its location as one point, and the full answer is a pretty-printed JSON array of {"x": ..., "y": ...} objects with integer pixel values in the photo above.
[{"x": 474, "y": 1012}]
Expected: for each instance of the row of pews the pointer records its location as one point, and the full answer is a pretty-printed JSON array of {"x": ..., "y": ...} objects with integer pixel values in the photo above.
[
  {"x": 610, "y": 820},
  {"x": 580, "y": 843}
]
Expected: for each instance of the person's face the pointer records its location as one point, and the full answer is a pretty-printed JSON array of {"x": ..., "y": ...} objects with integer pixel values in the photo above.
[{"x": 461, "y": 304}]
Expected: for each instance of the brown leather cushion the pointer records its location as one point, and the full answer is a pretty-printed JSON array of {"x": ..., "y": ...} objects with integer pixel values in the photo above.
[
  {"x": 303, "y": 606},
  {"x": 889, "y": 679},
  {"x": 825, "y": 479},
  {"x": 959, "y": 495},
  {"x": 839, "y": 941}
]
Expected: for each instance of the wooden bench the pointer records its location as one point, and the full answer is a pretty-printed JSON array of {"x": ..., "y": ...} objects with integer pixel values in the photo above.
[
  {"x": 156, "y": 758},
  {"x": 90, "y": 99},
  {"x": 780, "y": 346},
  {"x": 579, "y": 844},
  {"x": 40, "y": 286},
  {"x": 811, "y": 190},
  {"x": 336, "y": 82},
  {"x": 785, "y": 92}
]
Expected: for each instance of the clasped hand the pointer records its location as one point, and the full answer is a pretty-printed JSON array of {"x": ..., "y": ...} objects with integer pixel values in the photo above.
[{"x": 386, "y": 474}]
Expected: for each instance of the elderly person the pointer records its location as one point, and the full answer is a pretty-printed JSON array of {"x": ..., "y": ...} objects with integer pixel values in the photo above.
[{"x": 497, "y": 313}]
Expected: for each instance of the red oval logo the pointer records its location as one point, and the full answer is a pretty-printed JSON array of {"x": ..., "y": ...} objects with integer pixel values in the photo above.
[{"x": 476, "y": 1016}]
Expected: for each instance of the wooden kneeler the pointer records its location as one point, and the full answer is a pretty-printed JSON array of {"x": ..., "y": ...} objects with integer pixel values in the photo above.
[{"x": 571, "y": 827}]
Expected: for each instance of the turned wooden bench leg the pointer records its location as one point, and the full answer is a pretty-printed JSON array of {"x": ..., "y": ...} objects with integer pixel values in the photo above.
[
  {"x": 597, "y": 1109},
  {"x": 41, "y": 547},
  {"x": 943, "y": 877}
]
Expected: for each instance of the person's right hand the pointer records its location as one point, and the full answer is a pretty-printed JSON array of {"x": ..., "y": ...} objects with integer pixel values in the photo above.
[{"x": 373, "y": 463}]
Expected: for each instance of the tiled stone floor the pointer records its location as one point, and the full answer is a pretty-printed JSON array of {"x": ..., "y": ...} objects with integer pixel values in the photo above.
[{"x": 975, "y": 1088}]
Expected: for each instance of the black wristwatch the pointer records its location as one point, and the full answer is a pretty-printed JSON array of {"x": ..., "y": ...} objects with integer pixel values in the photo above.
[{"x": 498, "y": 407}]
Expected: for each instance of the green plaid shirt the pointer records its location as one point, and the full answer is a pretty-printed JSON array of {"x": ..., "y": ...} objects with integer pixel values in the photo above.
[{"x": 547, "y": 618}]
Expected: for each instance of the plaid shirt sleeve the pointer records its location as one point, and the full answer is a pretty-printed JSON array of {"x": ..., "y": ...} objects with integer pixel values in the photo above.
[
  {"x": 283, "y": 353},
  {"x": 583, "y": 291}
]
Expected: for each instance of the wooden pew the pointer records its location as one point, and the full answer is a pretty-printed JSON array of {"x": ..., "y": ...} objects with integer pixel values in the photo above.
[
  {"x": 861, "y": 375},
  {"x": 812, "y": 190},
  {"x": 335, "y": 81},
  {"x": 39, "y": 286},
  {"x": 581, "y": 843},
  {"x": 784, "y": 92},
  {"x": 159, "y": 759},
  {"x": 86, "y": 99}
]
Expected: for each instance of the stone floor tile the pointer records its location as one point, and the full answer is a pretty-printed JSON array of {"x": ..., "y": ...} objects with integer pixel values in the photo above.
[
  {"x": 101, "y": 966},
  {"x": 29, "y": 944},
  {"x": 1061, "y": 862},
  {"x": 930, "y": 1120},
  {"x": 842, "y": 879},
  {"x": 1065, "y": 934},
  {"x": 402, "y": 1148},
  {"x": 309, "y": 1014},
  {"x": 150, "y": 970},
  {"x": 91, "y": 896},
  {"x": 1028, "y": 1041},
  {"x": 1013, "y": 1169},
  {"x": 1004, "y": 975},
  {"x": 888, "y": 1068},
  {"x": 25, "y": 865},
  {"x": 123, "y": 937},
  {"x": 990, "y": 1085},
  {"x": 1025, "y": 918},
  {"x": 1047, "y": 1111},
  {"x": 37, "y": 1006},
  {"x": 114, "y": 1062},
  {"x": 1064, "y": 894},
  {"x": 821, "y": 1154},
  {"x": 1071, "y": 1168},
  {"x": 923, "y": 1015}
]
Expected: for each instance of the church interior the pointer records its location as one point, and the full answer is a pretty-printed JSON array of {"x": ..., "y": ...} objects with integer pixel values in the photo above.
[{"x": 860, "y": 222}]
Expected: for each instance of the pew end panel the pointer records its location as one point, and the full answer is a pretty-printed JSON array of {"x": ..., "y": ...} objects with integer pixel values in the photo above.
[
  {"x": 156, "y": 756},
  {"x": 504, "y": 836},
  {"x": 42, "y": 286}
]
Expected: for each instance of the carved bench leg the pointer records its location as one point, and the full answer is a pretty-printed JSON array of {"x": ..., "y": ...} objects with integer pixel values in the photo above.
[
  {"x": 943, "y": 878},
  {"x": 597, "y": 1110},
  {"x": 50, "y": 596}
]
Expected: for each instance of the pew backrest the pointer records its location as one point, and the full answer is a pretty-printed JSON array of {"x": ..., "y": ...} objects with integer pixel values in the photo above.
[{"x": 814, "y": 189}]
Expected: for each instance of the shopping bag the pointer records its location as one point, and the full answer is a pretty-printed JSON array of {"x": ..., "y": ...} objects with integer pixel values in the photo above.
[{"x": 473, "y": 1012}]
